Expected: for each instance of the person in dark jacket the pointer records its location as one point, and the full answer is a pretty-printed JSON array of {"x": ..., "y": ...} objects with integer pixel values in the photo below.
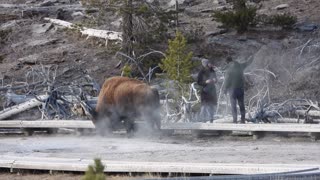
[
  {"x": 207, "y": 79},
  {"x": 234, "y": 86}
]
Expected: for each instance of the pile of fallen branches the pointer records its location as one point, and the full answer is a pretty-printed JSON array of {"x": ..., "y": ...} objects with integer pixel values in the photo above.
[
  {"x": 262, "y": 110},
  {"x": 292, "y": 110},
  {"x": 47, "y": 91}
]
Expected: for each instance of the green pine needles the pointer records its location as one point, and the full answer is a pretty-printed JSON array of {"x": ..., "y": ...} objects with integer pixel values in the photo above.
[
  {"x": 177, "y": 65},
  {"x": 240, "y": 19},
  {"x": 95, "y": 172}
]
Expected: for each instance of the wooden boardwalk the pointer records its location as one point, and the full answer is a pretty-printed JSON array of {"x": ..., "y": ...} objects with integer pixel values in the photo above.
[
  {"x": 80, "y": 165},
  {"x": 281, "y": 127},
  {"x": 256, "y": 129},
  {"x": 244, "y": 127}
]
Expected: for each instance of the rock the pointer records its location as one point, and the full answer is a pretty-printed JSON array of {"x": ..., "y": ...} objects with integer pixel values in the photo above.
[
  {"x": 65, "y": 1},
  {"x": 17, "y": 44},
  {"x": 256, "y": 1},
  {"x": 32, "y": 1},
  {"x": 74, "y": 14},
  {"x": 94, "y": 69},
  {"x": 242, "y": 38},
  {"x": 8, "y": 25},
  {"x": 12, "y": 5},
  {"x": 31, "y": 59},
  {"x": 173, "y": 2},
  {"x": 1, "y": 58},
  {"x": 41, "y": 28},
  {"x": 65, "y": 70},
  {"x": 48, "y": 3},
  {"x": 64, "y": 15},
  {"x": 117, "y": 23},
  {"x": 217, "y": 32},
  {"x": 41, "y": 42},
  {"x": 221, "y": 8},
  {"x": 281, "y": 6},
  {"x": 306, "y": 27}
]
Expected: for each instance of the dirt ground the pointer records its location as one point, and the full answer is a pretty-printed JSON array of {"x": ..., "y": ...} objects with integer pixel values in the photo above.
[{"x": 228, "y": 149}]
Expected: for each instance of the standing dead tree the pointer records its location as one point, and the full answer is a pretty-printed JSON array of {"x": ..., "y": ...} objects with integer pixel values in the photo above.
[
  {"x": 184, "y": 108},
  {"x": 139, "y": 61}
]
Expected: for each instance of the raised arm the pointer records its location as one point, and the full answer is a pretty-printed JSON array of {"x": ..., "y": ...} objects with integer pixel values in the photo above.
[
  {"x": 247, "y": 63},
  {"x": 227, "y": 82}
]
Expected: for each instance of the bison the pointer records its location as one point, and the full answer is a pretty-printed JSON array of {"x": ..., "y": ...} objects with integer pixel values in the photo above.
[{"x": 122, "y": 100}]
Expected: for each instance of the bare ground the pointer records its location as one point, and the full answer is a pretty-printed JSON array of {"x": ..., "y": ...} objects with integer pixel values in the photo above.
[{"x": 229, "y": 149}]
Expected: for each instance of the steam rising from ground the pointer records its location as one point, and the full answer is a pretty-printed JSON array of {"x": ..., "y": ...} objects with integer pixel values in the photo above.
[{"x": 146, "y": 123}]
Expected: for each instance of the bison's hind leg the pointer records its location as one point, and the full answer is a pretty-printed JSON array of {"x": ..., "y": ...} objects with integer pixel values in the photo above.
[
  {"x": 153, "y": 119},
  {"x": 151, "y": 122},
  {"x": 130, "y": 127}
]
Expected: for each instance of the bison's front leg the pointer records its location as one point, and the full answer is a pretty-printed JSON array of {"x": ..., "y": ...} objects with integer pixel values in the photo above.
[{"x": 105, "y": 123}]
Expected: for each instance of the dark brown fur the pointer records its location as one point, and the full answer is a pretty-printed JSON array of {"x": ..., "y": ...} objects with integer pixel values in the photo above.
[{"x": 125, "y": 99}]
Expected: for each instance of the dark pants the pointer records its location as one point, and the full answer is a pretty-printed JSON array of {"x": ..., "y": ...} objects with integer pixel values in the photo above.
[{"x": 237, "y": 95}]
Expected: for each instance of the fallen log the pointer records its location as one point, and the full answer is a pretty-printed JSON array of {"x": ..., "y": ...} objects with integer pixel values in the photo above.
[
  {"x": 8, "y": 112},
  {"x": 280, "y": 120},
  {"x": 310, "y": 113},
  {"x": 13, "y": 6},
  {"x": 105, "y": 34},
  {"x": 293, "y": 120}
]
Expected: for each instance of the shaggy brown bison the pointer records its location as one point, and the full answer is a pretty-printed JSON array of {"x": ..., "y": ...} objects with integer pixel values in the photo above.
[{"x": 122, "y": 100}]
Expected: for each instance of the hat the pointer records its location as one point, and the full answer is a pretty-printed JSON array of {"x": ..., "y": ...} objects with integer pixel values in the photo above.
[{"x": 204, "y": 62}]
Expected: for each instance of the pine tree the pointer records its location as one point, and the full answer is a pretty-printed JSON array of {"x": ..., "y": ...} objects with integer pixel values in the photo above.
[
  {"x": 95, "y": 172},
  {"x": 177, "y": 65},
  {"x": 240, "y": 18},
  {"x": 126, "y": 71}
]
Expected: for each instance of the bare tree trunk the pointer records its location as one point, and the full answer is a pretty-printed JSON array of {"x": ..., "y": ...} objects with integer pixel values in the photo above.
[
  {"x": 127, "y": 29},
  {"x": 177, "y": 13}
]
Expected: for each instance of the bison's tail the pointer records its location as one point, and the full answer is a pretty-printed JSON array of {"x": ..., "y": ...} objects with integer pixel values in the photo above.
[
  {"x": 156, "y": 97},
  {"x": 156, "y": 111}
]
